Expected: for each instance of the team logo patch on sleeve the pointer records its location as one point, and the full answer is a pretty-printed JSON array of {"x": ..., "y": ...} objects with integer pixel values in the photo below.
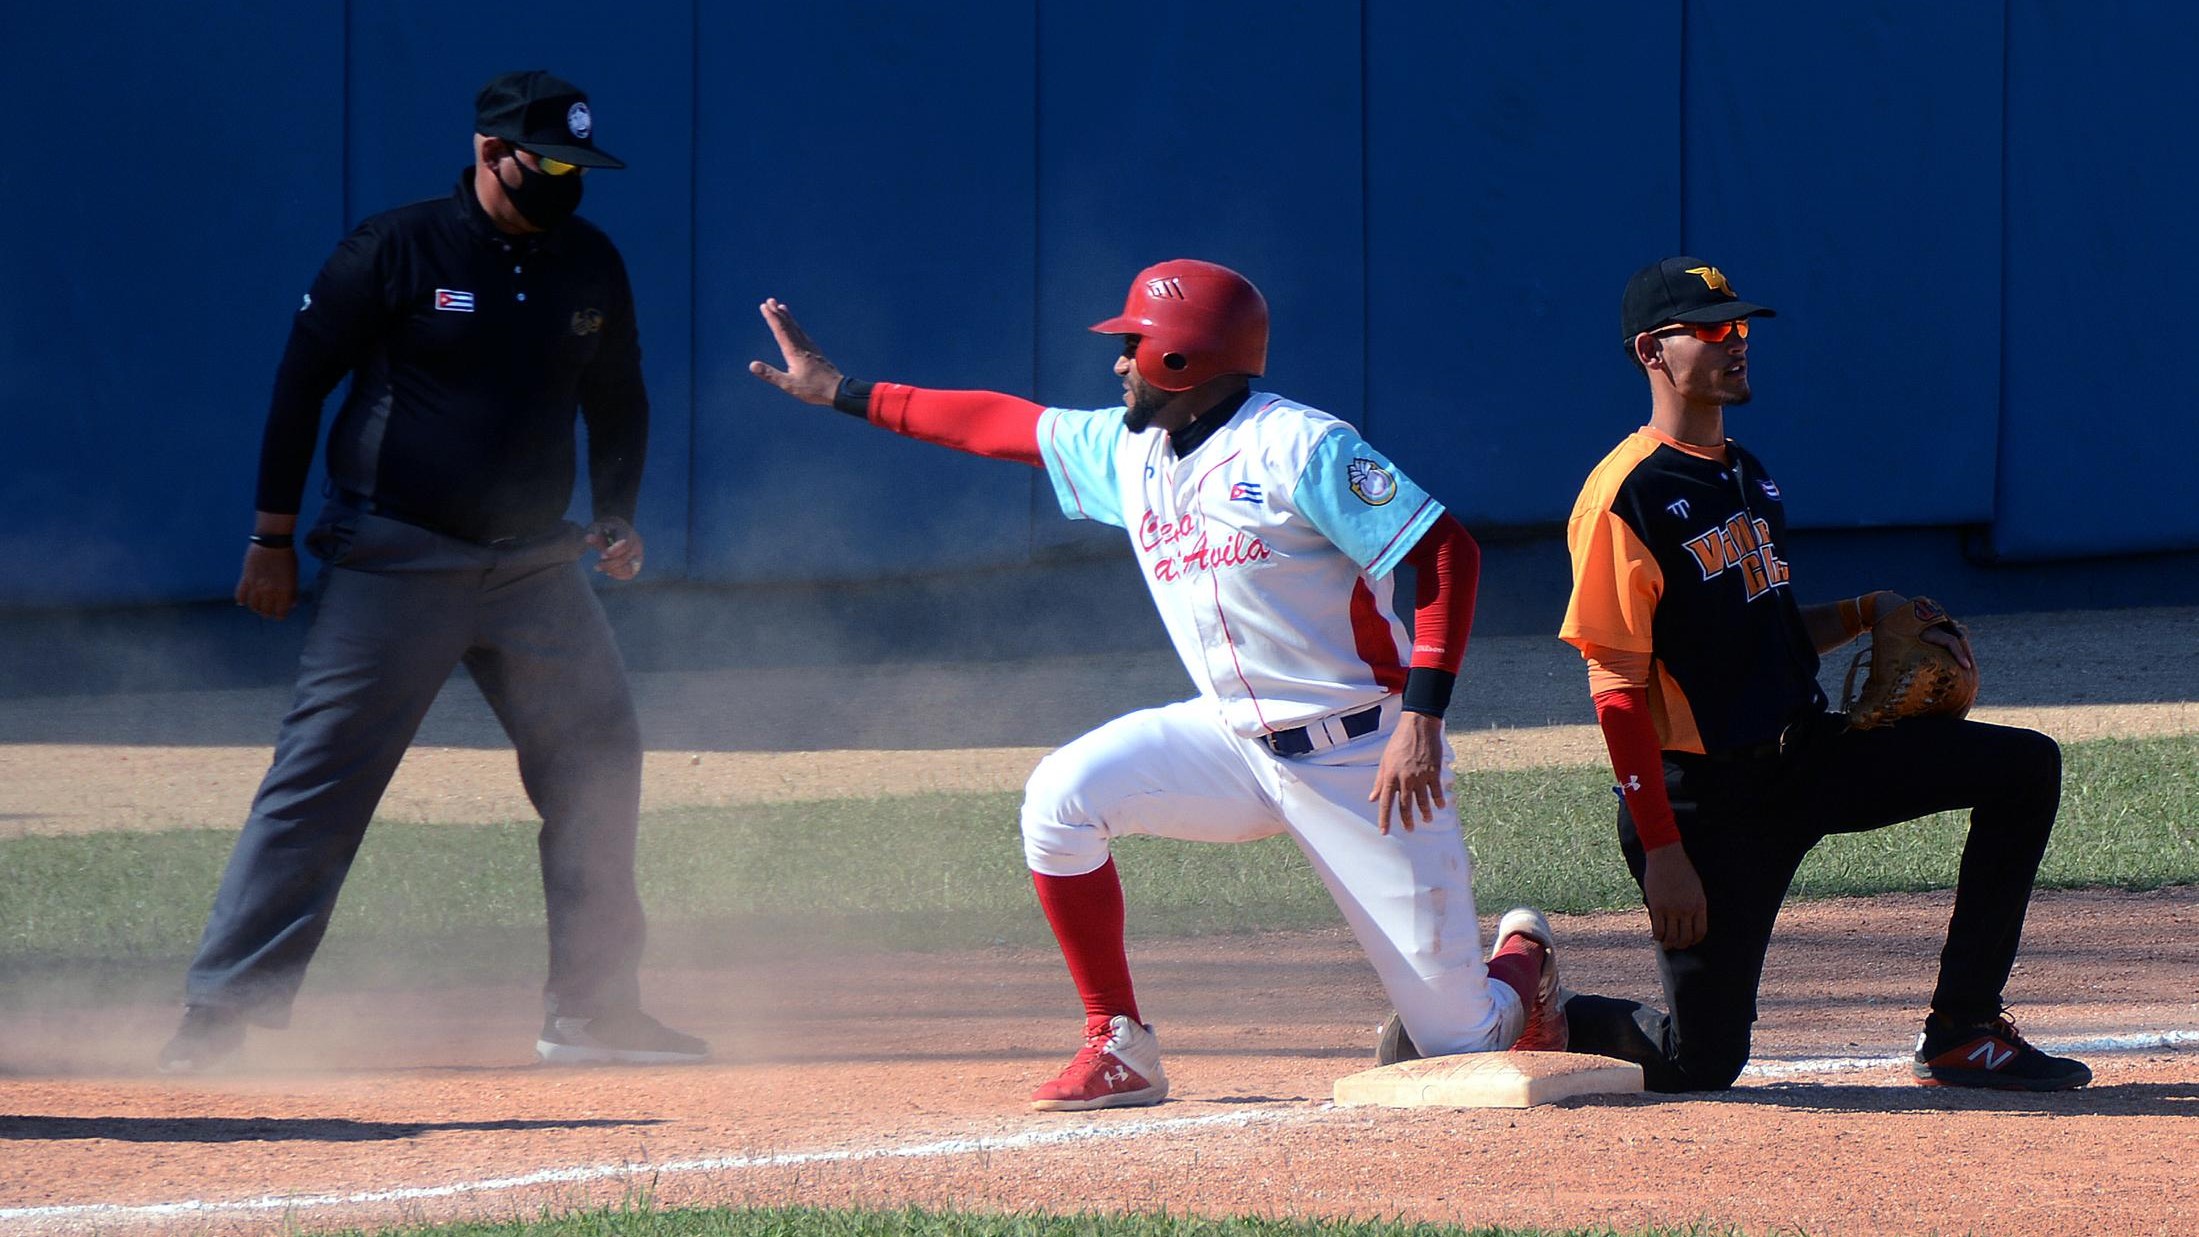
[
  {"x": 452, "y": 301},
  {"x": 1371, "y": 482}
]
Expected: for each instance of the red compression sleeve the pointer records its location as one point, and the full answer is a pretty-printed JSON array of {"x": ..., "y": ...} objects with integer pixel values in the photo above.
[
  {"x": 1447, "y": 564},
  {"x": 1447, "y": 561},
  {"x": 986, "y": 423},
  {"x": 1640, "y": 765}
]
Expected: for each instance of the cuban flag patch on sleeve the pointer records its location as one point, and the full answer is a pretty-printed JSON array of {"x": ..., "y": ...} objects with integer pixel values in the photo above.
[{"x": 454, "y": 301}]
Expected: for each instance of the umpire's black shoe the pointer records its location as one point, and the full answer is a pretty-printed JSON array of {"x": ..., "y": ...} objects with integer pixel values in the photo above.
[
  {"x": 210, "y": 1035},
  {"x": 1992, "y": 1055},
  {"x": 628, "y": 1037}
]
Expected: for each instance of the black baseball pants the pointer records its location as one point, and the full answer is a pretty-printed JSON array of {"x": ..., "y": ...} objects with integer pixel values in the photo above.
[{"x": 1748, "y": 822}]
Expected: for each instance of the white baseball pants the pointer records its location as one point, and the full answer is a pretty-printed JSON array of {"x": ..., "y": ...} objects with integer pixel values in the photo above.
[{"x": 1178, "y": 772}]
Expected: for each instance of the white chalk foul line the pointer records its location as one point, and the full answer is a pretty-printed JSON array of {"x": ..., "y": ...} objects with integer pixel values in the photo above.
[
  {"x": 1052, "y": 1136},
  {"x": 1849, "y": 1065}
]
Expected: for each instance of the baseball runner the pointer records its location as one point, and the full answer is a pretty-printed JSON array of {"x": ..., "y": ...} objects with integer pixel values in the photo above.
[
  {"x": 472, "y": 327},
  {"x": 1730, "y": 765},
  {"x": 1262, "y": 527}
]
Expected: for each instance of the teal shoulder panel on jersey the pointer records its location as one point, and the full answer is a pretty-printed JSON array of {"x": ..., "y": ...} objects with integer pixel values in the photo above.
[
  {"x": 1361, "y": 502},
  {"x": 1079, "y": 448}
]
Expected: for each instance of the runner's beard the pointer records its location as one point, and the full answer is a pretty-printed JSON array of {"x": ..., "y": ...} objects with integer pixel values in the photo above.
[{"x": 1145, "y": 405}]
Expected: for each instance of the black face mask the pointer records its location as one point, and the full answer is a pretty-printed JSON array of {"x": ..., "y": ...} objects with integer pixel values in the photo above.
[{"x": 542, "y": 199}]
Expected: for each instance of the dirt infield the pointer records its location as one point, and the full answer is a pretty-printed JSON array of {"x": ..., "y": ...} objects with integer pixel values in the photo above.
[{"x": 887, "y": 1078}]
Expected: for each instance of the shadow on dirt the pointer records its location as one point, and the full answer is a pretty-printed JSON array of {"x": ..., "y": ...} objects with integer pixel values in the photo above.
[
  {"x": 2141, "y": 1099},
  {"x": 265, "y": 1129}
]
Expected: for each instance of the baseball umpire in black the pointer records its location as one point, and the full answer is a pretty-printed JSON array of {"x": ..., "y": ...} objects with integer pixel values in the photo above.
[
  {"x": 1730, "y": 764},
  {"x": 473, "y": 327}
]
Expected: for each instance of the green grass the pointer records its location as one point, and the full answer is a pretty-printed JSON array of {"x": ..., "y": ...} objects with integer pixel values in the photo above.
[
  {"x": 644, "y": 1221},
  {"x": 947, "y": 870}
]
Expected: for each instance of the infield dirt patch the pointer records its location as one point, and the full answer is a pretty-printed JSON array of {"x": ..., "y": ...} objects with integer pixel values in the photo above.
[{"x": 893, "y": 1078}]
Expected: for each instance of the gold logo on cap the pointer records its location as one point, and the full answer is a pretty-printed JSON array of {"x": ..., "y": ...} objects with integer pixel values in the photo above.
[{"x": 1712, "y": 279}]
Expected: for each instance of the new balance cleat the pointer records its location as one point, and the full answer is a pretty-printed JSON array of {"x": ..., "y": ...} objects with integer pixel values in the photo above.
[
  {"x": 1118, "y": 1067},
  {"x": 1992, "y": 1055}
]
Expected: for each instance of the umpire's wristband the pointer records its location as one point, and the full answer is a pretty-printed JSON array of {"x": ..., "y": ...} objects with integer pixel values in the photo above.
[
  {"x": 853, "y": 398},
  {"x": 1428, "y": 690},
  {"x": 273, "y": 541}
]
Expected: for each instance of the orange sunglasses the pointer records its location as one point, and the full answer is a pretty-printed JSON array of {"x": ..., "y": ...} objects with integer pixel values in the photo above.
[{"x": 1709, "y": 332}]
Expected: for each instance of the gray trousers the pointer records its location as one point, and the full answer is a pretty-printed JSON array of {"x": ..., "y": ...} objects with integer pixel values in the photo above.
[{"x": 400, "y": 608}]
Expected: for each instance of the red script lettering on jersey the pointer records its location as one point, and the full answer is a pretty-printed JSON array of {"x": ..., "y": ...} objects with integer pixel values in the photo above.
[{"x": 1181, "y": 547}]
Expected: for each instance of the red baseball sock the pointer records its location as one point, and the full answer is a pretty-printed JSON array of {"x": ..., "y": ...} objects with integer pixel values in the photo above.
[
  {"x": 1519, "y": 965},
  {"x": 1086, "y": 915}
]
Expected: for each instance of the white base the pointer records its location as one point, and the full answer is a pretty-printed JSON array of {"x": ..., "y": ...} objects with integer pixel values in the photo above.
[{"x": 1489, "y": 1080}]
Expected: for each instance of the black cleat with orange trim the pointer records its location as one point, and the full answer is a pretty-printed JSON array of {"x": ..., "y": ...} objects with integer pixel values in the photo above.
[{"x": 1992, "y": 1055}]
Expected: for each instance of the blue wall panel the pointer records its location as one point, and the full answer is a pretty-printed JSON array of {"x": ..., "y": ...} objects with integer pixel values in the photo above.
[
  {"x": 2096, "y": 452},
  {"x": 1228, "y": 131},
  {"x": 1521, "y": 161},
  {"x": 165, "y": 168},
  {"x": 1441, "y": 202},
  {"x": 1843, "y": 166},
  {"x": 414, "y": 70},
  {"x": 871, "y": 165}
]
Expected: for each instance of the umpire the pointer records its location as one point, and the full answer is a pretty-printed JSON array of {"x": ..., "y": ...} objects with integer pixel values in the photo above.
[{"x": 473, "y": 326}]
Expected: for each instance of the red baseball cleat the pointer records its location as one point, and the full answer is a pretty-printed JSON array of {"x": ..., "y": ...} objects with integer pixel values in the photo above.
[
  {"x": 1119, "y": 1067},
  {"x": 1519, "y": 932}
]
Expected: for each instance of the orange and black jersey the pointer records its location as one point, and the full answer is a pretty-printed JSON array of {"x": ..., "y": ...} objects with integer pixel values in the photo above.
[{"x": 1676, "y": 555}]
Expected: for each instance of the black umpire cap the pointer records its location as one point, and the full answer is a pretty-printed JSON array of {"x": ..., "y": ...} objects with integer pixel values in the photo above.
[
  {"x": 542, "y": 115},
  {"x": 1681, "y": 289}
]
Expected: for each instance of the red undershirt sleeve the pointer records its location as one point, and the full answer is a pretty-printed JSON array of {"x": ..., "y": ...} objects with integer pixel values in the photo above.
[
  {"x": 1447, "y": 564},
  {"x": 1638, "y": 761},
  {"x": 985, "y": 423}
]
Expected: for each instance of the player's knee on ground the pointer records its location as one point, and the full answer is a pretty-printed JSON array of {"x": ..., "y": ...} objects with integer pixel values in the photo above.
[
  {"x": 1062, "y": 833},
  {"x": 1711, "y": 1068}
]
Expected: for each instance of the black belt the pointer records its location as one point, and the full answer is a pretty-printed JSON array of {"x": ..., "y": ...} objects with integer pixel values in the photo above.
[{"x": 1297, "y": 741}]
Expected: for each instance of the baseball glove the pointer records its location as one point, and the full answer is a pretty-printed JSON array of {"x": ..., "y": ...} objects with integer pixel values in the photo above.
[{"x": 1909, "y": 675}]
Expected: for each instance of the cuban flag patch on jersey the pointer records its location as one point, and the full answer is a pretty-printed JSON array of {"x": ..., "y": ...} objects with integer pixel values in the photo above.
[
  {"x": 1244, "y": 492},
  {"x": 454, "y": 301}
]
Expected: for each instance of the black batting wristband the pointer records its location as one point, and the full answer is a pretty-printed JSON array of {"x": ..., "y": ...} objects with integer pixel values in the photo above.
[
  {"x": 273, "y": 541},
  {"x": 853, "y": 398},
  {"x": 1428, "y": 690}
]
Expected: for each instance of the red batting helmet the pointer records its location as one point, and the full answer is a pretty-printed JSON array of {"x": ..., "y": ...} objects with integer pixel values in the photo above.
[{"x": 1194, "y": 321}]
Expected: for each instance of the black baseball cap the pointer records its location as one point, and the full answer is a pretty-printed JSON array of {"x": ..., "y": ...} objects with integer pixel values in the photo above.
[
  {"x": 542, "y": 115},
  {"x": 1681, "y": 290}
]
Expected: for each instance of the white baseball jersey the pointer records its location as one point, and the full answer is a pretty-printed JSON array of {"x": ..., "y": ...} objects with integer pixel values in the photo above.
[{"x": 1261, "y": 548}]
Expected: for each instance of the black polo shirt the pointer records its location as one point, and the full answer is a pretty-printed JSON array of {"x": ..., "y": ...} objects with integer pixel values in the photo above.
[{"x": 470, "y": 352}]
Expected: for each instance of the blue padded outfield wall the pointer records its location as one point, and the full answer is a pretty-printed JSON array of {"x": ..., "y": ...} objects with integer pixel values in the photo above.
[{"x": 1972, "y": 217}]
